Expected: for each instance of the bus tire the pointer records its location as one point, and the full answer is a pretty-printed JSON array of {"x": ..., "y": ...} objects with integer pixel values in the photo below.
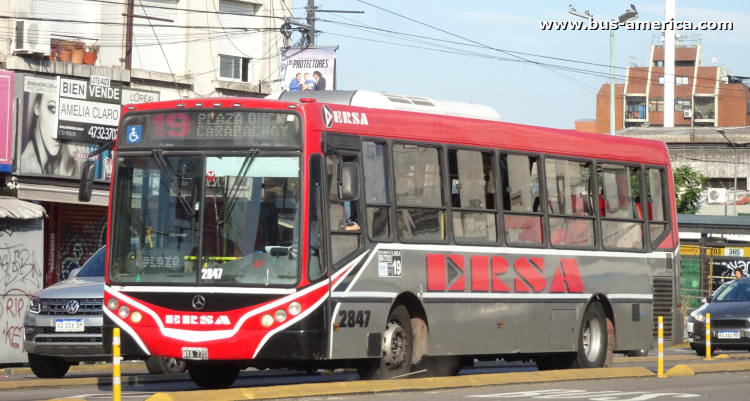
[
  {"x": 396, "y": 352},
  {"x": 213, "y": 376},
  {"x": 592, "y": 339},
  {"x": 158, "y": 365}
]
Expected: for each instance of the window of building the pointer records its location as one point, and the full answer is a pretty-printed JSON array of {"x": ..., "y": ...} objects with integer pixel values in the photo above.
[
  {"x": 684, "y": 63},
  {"x": 656, "y": 104},
  {"x": 704, "y": 108},
  {"x": 681, "y": 80},
  {"x": 620, "y": 206},
  {"x": 682, "y": 104},
  {"x": 376, "y": 190},
  {"x": 656, "y": 210},
  {"x": 232, "y": 67},
  {"x": 748, "y": 107},
  {"x": 343, "y": 215},
  {"x": 473, "y": 195},
  {"x": 571, "y": 209},
  {"x": 661, "y": 80},
  {"x": 659, "y": 63},
  {"x": 636, "y": 107},
  {"x": 521, "y": 199},
  {"x": 421, "y": 214}
]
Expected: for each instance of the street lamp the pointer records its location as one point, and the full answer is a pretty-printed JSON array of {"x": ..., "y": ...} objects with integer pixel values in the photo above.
[
  {"x": 734, "y": 204},
  {"x": 629, "y": 15}
]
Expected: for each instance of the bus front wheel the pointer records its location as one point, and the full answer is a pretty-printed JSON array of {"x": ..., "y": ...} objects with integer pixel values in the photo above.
[
  {"x": 592, "y": 339},
  {"x": 397, "y": 348},
  {"x": 213, "y": 376}
]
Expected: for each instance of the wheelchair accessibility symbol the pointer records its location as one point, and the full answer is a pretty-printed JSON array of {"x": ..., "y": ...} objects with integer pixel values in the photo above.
[{"x": 134, "y": 134}]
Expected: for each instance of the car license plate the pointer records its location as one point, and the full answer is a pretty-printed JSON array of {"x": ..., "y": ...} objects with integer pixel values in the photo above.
[
  {"x": 729, "y": 334},
  {"x": 194, "y": 353},
  {"x": 69, "y": 325}
]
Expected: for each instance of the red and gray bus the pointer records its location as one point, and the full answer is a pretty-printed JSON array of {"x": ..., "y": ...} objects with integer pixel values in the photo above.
[{"x": 393, "y": 234}]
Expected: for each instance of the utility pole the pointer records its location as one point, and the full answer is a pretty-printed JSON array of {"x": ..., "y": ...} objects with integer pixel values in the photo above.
[
  {"x": 129, "y": 36},
  {"x": 130, "y": 15},
  {"x": 311, "y": 20},
  {"x": 309, "y": 29}
]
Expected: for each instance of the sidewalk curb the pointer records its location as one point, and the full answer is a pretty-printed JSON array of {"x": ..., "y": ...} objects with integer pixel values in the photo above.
[
  {"x": 373, "y": 387},
  {"x": 106, "y": 367},
  {"x": 87, "y": 381},
  {"x": 698, "y": 368},
  {"x": 674, "y": 358}
]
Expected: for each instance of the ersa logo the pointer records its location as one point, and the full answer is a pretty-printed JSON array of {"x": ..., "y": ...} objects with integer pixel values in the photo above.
[
  {"x": 195, "y": 319},
  {"x": 342, "y": 117},
  {"x": 133, "y": 134}
]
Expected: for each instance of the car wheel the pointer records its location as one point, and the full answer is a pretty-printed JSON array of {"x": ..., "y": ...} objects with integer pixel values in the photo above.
[
  {"x": 213, "y": 376},
  {"x": 637, "y": 352},
  {"x": 396, "y": 349},
  {"x": 701, "y": 351},
  {"x": 592, "y": 339},
  {"x": 157, "y": 365},
  {"x": 48, "y": 367}
]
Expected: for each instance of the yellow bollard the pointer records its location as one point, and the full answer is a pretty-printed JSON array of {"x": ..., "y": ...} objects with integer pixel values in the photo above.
[
  {"x": 708, "y": 338},
  {"x": 116, "y": 387},
  {"x": 660, "y": 350}
]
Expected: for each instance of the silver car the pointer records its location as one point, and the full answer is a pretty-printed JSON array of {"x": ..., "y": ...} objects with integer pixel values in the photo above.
[{"x": 63, "y": 324}]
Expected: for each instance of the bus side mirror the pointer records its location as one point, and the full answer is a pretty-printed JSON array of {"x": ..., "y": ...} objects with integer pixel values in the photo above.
[
  {"x": 86, "y": 185},
  {"x": 348, "y": 178}
]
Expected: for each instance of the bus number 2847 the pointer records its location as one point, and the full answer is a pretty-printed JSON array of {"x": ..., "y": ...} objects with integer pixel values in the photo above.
[{"x": 352, "y": 318}]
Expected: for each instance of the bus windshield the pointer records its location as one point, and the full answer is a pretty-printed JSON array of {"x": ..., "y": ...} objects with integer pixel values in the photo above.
[{"x": 206, "y": 219}]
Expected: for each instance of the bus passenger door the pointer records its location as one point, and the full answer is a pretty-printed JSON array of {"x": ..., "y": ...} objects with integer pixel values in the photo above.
[{"x": 342, "y": 174}]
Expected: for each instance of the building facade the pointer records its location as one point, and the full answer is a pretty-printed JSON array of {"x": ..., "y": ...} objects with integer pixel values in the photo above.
[
  {"x": 705, "y": 96},
  {"x": 196, "y": 48}
]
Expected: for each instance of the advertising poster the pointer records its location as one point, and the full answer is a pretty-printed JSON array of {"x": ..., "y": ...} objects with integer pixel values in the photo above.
[
  {"x": 41, "y": 152},
  {"x": 308, "y": 69},
  {"x": 88, "y": 110},
  {"x": 6, "y": 120}
]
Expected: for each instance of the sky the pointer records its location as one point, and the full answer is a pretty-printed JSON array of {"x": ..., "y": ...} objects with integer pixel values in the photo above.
[{"x": 520, "y": 92}]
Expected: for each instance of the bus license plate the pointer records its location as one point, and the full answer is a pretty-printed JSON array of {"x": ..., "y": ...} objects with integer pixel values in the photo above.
[
  {"x": 194, "y": 353},
  {"x": 729, "y": 334},
  {"x": 69, "y": 325}
]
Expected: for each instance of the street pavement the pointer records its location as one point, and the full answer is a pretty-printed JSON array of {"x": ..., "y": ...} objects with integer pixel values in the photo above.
[{"x": 151, "y": 384}]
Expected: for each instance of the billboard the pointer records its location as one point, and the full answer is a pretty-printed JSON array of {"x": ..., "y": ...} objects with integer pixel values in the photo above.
[
  {"x": 308, "y": 69},
  {"x": 6, "y": 121},
  {"x": 41, "y": 152},
  {"x": 64, "y": 120},
  {"x": 88, "y": 110}
]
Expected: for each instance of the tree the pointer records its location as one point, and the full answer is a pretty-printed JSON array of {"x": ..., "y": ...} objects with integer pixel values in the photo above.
[{"x": 688, "y": 184}]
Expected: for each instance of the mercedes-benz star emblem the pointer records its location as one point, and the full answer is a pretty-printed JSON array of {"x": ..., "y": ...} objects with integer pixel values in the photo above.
[
  {"x": 72, "y": 307},
  {"x": 199, "y": 302}
]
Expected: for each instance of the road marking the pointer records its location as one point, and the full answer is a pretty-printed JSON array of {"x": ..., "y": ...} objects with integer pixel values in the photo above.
[
  {"x": 108, "y": 396},
  {"x": 586, "y": 395}
]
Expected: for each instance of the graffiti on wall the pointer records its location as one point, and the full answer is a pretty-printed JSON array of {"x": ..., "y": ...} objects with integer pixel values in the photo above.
[
  {"x": 79, "y": 243},
  {"x": 20, "y": 277}
]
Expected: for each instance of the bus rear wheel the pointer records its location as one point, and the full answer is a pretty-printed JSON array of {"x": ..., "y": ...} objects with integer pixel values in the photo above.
[
  {"x": 592, "y": 339},
  {"x": 213, "y": 376},
  {"x": 397, "y": 348}
]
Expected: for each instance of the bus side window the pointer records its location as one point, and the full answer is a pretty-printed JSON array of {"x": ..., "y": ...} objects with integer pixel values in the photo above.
[
  {"x": 571, "y": 221},
  {"x": 473, "y": 195},
  {"x": 522, "y": 203},
  {"x": 343, "y": 215},
  {"x": 376, "y": 190},
  {"x": 656, "y": 213},
  {"x": 622, "y": 223},
  {"x": 421, "y": 210}
]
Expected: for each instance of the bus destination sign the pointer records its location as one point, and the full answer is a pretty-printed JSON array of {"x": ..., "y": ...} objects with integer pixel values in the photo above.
[{"x": 206, "y": 128}]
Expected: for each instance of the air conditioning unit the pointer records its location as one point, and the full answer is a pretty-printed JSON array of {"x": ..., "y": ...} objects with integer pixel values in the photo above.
[
  {"x": 717, "y": 196},
  {"x": 32, "y": 37},
  {"x": 687, "y": 113}
]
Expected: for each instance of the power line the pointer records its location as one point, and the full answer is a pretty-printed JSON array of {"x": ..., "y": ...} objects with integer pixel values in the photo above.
[{"x": 162, "y": 49}]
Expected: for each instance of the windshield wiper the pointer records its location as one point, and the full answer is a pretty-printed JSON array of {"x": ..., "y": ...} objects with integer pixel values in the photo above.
[
  {"x": 167, "y": 170},
  {"x": 235, "y": 189}
]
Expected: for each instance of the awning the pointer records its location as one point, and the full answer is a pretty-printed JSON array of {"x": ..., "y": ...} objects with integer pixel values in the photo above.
[
  {"x": 14, "y": 208},
  {"x": 53, "y": 193}
]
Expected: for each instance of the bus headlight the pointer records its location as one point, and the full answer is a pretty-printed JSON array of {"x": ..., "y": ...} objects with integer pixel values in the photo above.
[
  {"x": 112, "y": 304},
  {"x": 280, "y": 315},
  {"x": 295, "y": 308},
  {"x": 136, "y": 317},
  {"x": 266, "y": 320},
  {"x": 124, "y": 311}
]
